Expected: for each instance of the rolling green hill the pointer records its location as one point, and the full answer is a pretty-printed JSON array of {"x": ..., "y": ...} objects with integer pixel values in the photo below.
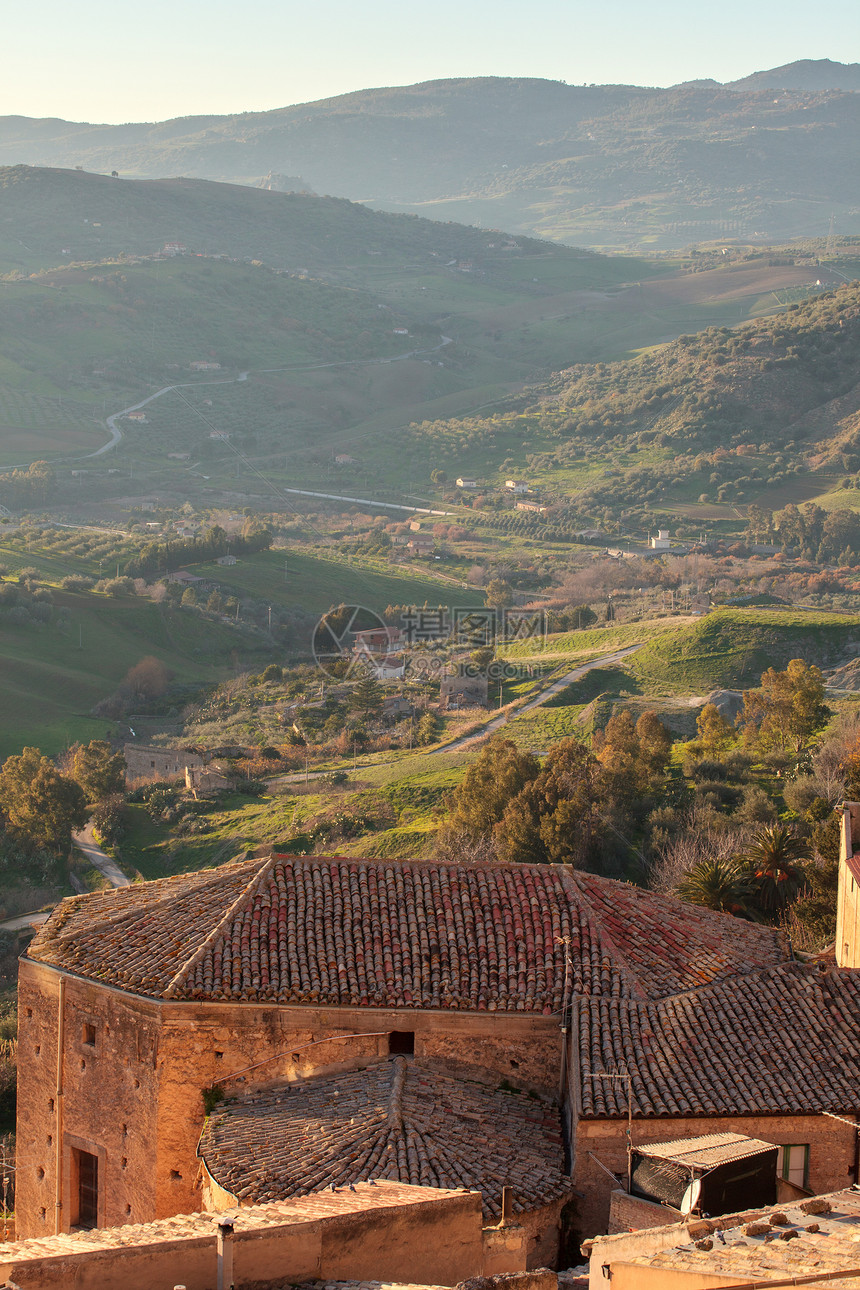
[
  {"x": 732, "y": 647},
  {"x": 80, "y": 644}
]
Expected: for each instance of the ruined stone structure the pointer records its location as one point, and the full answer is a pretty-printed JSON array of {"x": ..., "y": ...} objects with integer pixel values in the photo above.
[
  {"x": 145, "y": 763},
  {"x": 577, "y": 998}
]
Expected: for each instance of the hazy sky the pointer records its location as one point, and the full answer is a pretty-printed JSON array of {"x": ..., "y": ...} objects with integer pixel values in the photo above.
[{"x": 103, "y": 60}]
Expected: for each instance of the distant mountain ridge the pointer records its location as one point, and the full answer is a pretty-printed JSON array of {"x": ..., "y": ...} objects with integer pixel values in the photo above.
[
  {"x": 603, "y": 165},
  {"x": 811, "y": 74}
]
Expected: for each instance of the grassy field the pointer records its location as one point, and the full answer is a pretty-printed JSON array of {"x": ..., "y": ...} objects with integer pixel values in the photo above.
[
  {"x": 732, "y": 647},
  {"x": 573, "y": 646},
  {"x": 296, "y": 580},
  {"x": 53, "y": 673}
]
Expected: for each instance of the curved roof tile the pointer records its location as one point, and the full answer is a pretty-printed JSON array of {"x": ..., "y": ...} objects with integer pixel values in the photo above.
[
  {"x": 397, "y": 934},
  {"x": 401, "y": 1120}
]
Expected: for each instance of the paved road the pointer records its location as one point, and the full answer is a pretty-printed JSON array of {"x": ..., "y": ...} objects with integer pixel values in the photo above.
[
  {"x": 86, "y": 843},
  {"x": 605, "y": 660}
]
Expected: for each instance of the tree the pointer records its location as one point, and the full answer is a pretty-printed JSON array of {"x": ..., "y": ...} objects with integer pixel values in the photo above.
[
  {"x": 367, "y": 696},
  {"x": 773, "y": 857},
  {"x": 483, "y": 656},
  {"x": 495, "y": 777},
  {"x": 40, "y": 802},
  {"x": 500, "y": 594},
  {"x": 655, "y": 744},
  {"x": 721, "y": 883},
  {"x": 148, "y": 679},
  {"x": 787, "y": 709},
  {"x": 715, "y": 733},
  {"x": 99, "y": 771},
  {"x": 633, "y": 755},
  {"x": 557, "y": 816}
]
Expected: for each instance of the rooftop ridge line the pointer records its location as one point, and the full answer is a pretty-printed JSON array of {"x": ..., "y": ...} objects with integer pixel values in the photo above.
[
  {"x": 433, "y": 862},
  {"x": 607, "y": 944},
  {"x": 58, "y": 924},
  {"x": 203, "y": 948}
]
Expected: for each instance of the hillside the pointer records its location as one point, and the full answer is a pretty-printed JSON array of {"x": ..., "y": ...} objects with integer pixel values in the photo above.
[
  {"x": 811, "y": 74},
  {"x": 52, "y": 217},
  {"x": 732, "y": 647},
  {"x": 621, "y": 166},
  {"x": 314, "y": 297},
  {"x": 767, "y": 413}
]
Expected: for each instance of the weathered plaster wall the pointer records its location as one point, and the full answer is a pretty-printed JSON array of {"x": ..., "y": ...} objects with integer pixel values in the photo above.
[
  {"x": 831, "y": 1151},
  {"x": 108, "y": 1106},
  {"x": 134, "y": 1097},
  {"x": 402, "y": 1234}
]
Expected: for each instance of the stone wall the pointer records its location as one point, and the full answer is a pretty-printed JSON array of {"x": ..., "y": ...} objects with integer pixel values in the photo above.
[
  {"x": 831, "y": 1152},
  {"x": 105, "y": 1104},
  {"x": 144, "y": 763},
  {"x": 389, "y": 1232},
  {"x": 635, "y": 1214},
  {"x": 133, "y": 1082}
]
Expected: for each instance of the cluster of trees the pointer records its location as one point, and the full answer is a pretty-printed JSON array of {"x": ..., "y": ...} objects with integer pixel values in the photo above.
[
  {"x": 572, "y": 809},
  {"x": 163, "y": 557},
  {"x": 825, "y": 537},
  {"x": 41, "y": 804},
  {"x": 25, "y": 489}
]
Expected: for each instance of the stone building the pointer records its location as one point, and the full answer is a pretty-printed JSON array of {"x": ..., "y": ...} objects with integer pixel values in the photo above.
[
  {"x": 145, "y": 763},
  {"x": 437, "y": 1011}
]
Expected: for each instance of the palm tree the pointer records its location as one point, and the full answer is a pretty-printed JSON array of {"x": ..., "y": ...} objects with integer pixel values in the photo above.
[
  {"x": 774, "y": 856},
  {"x": 722, "y": 883}
]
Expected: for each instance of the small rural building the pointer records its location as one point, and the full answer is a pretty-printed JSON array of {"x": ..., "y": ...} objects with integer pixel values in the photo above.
[
  {"x": 463, "y": 481},
  {"x": 421, "y": 545},
  {"x": 182, "y": 576},
  {"x": 204, "y": 365},
  {"x": 464, "y": 691},
  {"x": 226, "y": 560},
  {"x": 661, "y": 542},
  {"x": 344, "y": 459},
  {"x": 139, "y": 417},
  {"x": 143, "y": 763},
  {"x": 378, "y": 639},
  {"x": 517, "y": 486},
  {"x": 532, "y": 506},
  {"x": 396, "y": 705}
]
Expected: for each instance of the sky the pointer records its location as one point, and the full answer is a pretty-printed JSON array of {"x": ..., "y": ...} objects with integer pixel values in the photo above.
[{"x": 106, "y": 61}]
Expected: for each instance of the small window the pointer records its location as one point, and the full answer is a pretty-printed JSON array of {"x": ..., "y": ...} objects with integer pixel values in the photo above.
[
  {"x": 792, "y": 1163},
  {"x": 89, "y": 1035},
  {"x": 401, "y": 1041}
]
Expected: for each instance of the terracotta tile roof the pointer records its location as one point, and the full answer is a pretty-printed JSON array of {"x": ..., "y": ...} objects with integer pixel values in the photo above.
[
  {"x": 784, "y": 1041},
  {"x": 672, "y": 946},
  {"x": 401, "y": 1119},
  {"x": 397, "y": 934}
]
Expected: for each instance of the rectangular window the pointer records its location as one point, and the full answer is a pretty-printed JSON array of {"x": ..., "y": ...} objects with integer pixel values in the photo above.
[
  {"x": 89, "y": 1035},
  {"x": 792, "y": 1163},
  {"x": 85, "y": 1193}
]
